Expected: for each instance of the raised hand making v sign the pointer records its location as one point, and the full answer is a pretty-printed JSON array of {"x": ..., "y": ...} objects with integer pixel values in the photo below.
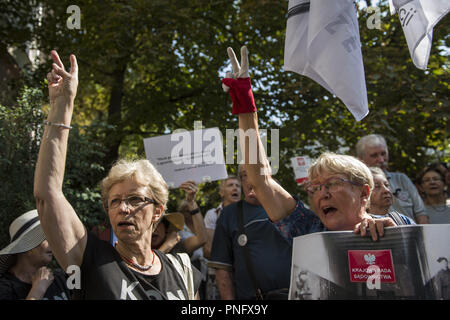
[{"x": 238, "y": 83}]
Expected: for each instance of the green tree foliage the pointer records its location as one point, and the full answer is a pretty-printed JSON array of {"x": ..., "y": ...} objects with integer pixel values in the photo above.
[{"x": 19, "y": 138}]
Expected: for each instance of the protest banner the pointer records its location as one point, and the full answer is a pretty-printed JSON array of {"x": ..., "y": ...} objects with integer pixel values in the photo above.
[
  {"x": 188, "y": 156},
  {"x": 408, "y": 262},
  {"x": 323, "y": 43}
]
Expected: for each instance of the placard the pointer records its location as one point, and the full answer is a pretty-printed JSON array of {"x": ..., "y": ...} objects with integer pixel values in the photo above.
[
  {"x": 407, "y": 263},
  {"x": 195, "y": 155},
  {"x": 360, "y": 261}
]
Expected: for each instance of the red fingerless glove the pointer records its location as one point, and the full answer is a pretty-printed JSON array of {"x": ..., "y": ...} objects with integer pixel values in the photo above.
[{"x": 241, "y": 94}]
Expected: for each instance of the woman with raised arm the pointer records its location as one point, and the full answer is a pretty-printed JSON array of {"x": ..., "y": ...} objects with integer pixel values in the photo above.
[
  {"x": 134, "y": 195},
  {"x": 339, "y": 186}
]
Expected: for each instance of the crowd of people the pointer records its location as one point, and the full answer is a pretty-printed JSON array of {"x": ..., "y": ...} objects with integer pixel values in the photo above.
[{"x": 242, "y": 249}]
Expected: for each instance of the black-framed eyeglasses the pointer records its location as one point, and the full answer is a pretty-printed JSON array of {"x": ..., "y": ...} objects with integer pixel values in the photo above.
[
  {"x": 332, "y": 185},
  {"x": 131, "y": 201}
]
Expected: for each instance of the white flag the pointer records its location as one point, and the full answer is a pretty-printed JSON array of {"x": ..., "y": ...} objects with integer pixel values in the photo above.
[
  {"x": 418, "y": 18},
  {"x": 392, "y": 8},
  {"x": 323, "y": 43}
]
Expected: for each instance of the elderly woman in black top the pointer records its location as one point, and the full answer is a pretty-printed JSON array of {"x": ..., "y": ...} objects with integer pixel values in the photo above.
[{"x": 134, "y": 196}]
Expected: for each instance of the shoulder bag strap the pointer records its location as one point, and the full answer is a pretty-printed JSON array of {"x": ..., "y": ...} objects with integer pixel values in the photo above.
[
  {"x": 242, "y": 241},
  {"x": 394, "y": 215}
]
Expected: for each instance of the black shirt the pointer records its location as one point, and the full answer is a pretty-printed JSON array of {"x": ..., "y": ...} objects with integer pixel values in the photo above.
[
  {"x": 104, "y": 275},
  {"x": 12, "y": 288}
]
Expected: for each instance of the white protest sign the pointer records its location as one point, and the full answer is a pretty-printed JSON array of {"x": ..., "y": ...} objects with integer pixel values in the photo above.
[
  {"x": 301, "y": 165},
  {"x": 187, "y": 155}
]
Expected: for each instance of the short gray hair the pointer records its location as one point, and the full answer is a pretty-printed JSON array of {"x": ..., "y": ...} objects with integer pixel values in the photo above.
[{"x": 369, "y": 141}]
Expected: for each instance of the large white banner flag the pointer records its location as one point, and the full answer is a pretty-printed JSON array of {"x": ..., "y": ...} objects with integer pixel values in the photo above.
[
  {"x": 323, "y": 43},
  {"x": 418, "y": 18}
]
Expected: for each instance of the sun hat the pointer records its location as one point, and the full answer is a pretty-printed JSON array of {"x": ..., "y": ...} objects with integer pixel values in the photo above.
[
  {"x": 176, "y": 219},
  {"x": 26, "y": 234}
]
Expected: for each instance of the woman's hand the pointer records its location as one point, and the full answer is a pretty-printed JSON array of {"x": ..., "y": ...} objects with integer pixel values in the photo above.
[
  {"x": 41, "y": 280},
  {"x": 238, "y": 83}
]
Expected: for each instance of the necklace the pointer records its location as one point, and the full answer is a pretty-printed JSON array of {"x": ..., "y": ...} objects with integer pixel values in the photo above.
[{"x": 135, "y": 264}]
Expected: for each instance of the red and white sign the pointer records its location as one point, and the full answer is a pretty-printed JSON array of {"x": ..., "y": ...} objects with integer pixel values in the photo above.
[{"x": 360, "y": 260}]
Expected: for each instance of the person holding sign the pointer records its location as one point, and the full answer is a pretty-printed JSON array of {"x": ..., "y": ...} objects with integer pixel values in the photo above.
[
  {"x": 134, "y": 195},
  {"x": 339, "y": 186}
]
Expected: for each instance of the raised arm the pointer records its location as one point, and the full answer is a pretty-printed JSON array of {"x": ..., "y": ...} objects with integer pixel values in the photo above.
[
  {"x": 277, "y": 202},
  {"x": 63, "y": 229}
]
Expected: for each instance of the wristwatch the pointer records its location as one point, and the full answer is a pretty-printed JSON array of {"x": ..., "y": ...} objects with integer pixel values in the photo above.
[{"x": 192, "y": 212}]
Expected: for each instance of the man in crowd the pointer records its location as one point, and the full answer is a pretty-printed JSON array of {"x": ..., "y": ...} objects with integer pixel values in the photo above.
[
  {"x": 230, "y": 192},
  {"x": 269, "y": 251}
]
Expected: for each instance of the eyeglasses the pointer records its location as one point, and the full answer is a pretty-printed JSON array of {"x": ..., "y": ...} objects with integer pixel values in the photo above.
[
  {"x": 131, "y": 201},
  {"x": 332, "y": 185},
  {"x": 378, "y": 186}
]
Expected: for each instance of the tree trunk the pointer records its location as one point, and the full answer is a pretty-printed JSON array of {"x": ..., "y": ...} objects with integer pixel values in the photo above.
[
  {"x": 10, "y": 77},
  {"x": 115, "y": 135}
]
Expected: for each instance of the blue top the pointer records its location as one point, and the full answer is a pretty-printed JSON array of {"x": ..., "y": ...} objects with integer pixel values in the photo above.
[
  {"x": 300, "y": 222},
  {"x": 406, "y": 220},
  {"x": 303, "y": 221}
]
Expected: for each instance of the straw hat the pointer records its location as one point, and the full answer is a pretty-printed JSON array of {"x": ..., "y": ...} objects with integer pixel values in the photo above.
[
  {"x": 26, "y": 234},
  {"x": 176, "y": 219}
]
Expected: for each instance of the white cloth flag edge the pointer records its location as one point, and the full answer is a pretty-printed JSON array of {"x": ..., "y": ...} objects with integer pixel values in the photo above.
[{"x": 427, "y": 37}]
